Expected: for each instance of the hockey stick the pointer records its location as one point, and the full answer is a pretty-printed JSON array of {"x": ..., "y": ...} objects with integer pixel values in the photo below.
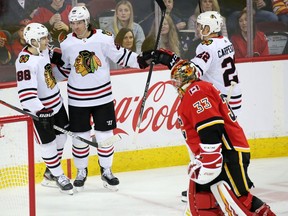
[
  {"x": 232, "y": 85},
  {"x": 106, "y": 143},
  {"x": 163, "y": 11}
]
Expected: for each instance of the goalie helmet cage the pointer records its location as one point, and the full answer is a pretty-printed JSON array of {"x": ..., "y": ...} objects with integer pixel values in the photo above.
[{"x": 17, "y": 179}]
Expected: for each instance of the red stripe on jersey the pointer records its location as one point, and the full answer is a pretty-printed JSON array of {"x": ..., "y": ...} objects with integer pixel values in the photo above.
[
  {"x": 27, "y": 94},
  {"x": 89, "y": 94},
  {"x": 51, "y": 102}
]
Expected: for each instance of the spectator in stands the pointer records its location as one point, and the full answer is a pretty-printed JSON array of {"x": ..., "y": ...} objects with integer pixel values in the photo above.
[
  {"x": 176, "y": 19},
  {"x": 124, "y": 17},
  {"x": 169, "y": 37},
  {"x": 15, "y": 11},
  {"x": 18, "y": 42},
  {"x": 125, "y": 38},
  {"x": 205, "y": 5},
  {"x": 280, "y": 8},
  {"x": 263, "y": 12},
  {"x": 239, "y": 40},
  {"x": 54, "y": 15},
  {"x": 5, "y": 55}
]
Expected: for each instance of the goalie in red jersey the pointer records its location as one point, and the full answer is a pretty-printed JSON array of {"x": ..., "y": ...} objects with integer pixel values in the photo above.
[{"x": 219, "y": 182}]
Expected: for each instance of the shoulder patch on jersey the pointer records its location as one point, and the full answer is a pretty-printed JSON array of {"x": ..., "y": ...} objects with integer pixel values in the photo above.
[
  {"x": 207, "y": 42},
  {"x": 193, "y": 89},
  {"x": 24, "y": 58},
  {"x": 106, "y": 32},
  {"x": 62, "y": 36}
]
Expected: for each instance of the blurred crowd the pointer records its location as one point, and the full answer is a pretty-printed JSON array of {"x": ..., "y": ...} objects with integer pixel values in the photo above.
[{"x": 133, "y": 24}]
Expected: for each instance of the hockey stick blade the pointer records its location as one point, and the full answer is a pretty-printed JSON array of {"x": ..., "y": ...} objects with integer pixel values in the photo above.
[
  {"x": 104, "y": 143},
  {"x": 163, "y": 11}
]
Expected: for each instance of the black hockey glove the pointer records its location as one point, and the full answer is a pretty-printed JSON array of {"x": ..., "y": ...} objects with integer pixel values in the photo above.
[
  {"x": 55, "y": 56},
  {"x": 145, "y": 58},
  {"x": 46, "y": 118},
  {"x": 165, "y": 57}
]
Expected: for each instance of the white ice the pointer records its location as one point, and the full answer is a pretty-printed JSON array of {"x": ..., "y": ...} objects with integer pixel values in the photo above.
[{"x": 157, "y": 192}]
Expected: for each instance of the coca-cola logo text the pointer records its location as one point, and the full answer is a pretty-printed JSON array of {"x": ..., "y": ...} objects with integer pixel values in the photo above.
[{"x": 153, "y": 116}]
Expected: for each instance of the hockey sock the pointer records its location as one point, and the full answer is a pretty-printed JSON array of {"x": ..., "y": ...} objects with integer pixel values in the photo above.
[
  {"x": 80, "y": 151},
  {"x": 50, "y": 156}
]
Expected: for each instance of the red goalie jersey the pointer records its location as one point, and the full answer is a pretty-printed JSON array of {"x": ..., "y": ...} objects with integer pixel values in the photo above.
[{"x": 205, "y": 117}]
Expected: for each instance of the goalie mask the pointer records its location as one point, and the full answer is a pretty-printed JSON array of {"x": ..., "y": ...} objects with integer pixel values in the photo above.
[
  {"x": 182, "y": 74},
  {"x": 79, "y": 13},
  {"x": 213, "y": 19}
]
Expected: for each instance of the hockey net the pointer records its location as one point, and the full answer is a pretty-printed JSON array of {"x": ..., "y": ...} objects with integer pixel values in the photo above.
[{"x": 17, "y": 182}]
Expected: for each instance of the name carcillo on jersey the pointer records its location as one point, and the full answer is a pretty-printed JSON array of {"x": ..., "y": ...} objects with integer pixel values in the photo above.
[{"x": 226, "y": 50}]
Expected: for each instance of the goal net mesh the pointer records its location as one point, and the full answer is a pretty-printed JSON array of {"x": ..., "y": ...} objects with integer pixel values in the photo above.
[{"x": 17, "y": 185}]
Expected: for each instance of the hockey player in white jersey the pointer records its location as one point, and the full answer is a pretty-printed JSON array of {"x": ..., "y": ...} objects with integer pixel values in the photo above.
[
  {"x": 214, "y": 58},
  {"x": 39, "y": 95},
  {"x": 86, "y": 52}
]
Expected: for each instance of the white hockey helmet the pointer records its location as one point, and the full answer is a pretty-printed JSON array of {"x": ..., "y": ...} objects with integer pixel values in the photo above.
[
  {"x": 213, "y": 19},
  {"x": 79, "y": 13},
  {"x": 34, "y": 31}
]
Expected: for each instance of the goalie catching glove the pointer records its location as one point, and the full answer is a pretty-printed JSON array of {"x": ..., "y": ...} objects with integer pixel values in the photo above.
[
  {"x": 46, "y": 118},
  {"x": 207, "y": 165}
]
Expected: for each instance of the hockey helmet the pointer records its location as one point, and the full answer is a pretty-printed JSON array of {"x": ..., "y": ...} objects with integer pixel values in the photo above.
[
  {"x": 213, "y": 19},
  {"x": 34, "y": 31},
  {"x": 79, "y": 13},
  {"x": 182, "y": 74}
]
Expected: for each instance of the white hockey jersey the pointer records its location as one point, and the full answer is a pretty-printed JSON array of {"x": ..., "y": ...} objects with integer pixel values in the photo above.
[
  {"x": 36, "y": 85},
  {"x": 215, "y": 61},
  {"x": 87, "y": 67}
]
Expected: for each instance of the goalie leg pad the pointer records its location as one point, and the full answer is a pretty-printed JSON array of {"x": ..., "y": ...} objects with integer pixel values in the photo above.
[
  {"x": 201, "y": 203},
  {"x": 227, "y": 200}
]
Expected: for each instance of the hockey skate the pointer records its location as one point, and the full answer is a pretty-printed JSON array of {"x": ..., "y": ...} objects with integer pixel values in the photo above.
[
  {"x": 80, "y": 179},
  {"x": 49, "y": 180},
  {"x": 64, "y": 184},
  {"x": 109, "y": 180}
]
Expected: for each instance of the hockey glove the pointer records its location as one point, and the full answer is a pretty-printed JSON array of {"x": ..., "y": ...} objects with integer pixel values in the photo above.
[
  {"x": 46, "y": 118},
  {"x": 207, "y": 165},
  {"x": 165, "y": 57},
  {"x": 55, "y": 56},
  {"x": 145, "y": 58}
]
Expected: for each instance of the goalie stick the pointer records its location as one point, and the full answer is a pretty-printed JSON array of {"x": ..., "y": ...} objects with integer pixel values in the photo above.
[
  {"x": 106, "y": 143},
  {"x": 163, "y": 11}
]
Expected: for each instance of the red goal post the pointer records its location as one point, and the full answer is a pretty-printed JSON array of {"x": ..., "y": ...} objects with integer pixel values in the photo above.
[{"x": 17, "y": 174}]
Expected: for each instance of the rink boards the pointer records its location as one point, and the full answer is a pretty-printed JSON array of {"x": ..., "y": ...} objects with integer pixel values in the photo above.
[{"x": 160, "y": 143}]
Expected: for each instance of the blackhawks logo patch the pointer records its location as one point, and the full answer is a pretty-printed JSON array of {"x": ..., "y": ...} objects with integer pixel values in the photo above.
[
  {"x": 87, "y": 62},
  {"x": 23, "y": 58},
  {"x": 207, "y": 42}
]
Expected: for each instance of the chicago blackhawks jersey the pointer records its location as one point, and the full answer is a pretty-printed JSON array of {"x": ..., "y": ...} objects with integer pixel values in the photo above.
[
  {"x": 87, "y": 67},
  {"x": 215, "y": 61},
  {"x": 37, "y": 87},
  {"x": 204, "y": 114}
]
